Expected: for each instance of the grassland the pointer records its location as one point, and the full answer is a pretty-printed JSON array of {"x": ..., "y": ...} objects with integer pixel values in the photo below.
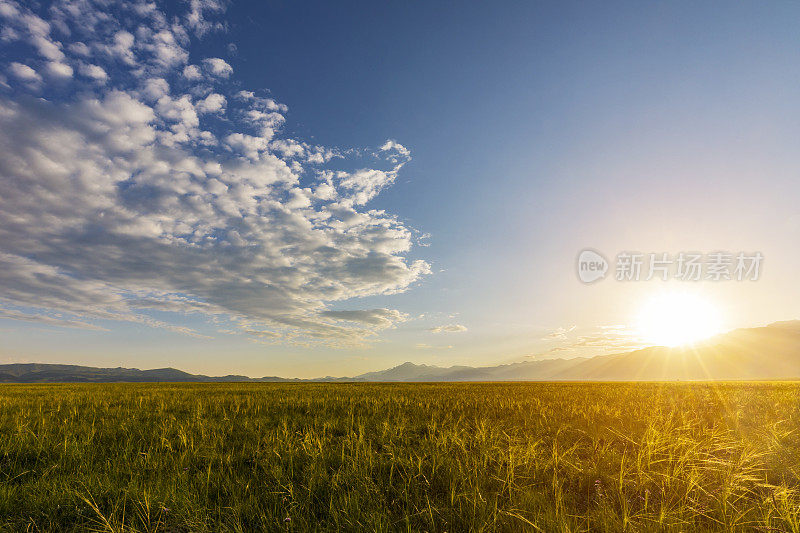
[{"x": 405, "y": 457}]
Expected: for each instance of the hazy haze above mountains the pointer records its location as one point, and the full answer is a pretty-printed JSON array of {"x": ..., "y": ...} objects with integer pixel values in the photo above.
[{"x": 769, "y": 352}]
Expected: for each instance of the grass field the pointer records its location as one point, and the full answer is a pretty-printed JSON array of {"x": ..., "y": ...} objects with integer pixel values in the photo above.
[{"x": 405, "y": 457}]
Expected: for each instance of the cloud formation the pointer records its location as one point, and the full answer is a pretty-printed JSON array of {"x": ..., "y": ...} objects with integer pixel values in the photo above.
[
  {"x": 559, "y": 333},
  {"x": 138, "y": 182},
  {"x": 570, "y": 341},
  {"x": 449, "y": 328}
]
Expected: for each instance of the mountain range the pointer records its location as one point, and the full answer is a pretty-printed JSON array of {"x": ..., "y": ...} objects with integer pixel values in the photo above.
[{"x": 762, "y": 353}]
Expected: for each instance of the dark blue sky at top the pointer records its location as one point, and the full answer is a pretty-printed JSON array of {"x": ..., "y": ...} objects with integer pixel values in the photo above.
[{"x": 479, "y": 90}]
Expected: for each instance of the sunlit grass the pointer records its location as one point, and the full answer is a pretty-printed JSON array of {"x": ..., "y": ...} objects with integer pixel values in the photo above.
[{"x": 435, "y": 457}]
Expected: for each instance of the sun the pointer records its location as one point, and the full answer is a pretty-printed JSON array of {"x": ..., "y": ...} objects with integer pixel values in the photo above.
[{"x": 675, "y": 318}]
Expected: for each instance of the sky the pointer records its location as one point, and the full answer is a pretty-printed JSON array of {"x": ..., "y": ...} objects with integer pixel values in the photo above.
[{"x": 310, "y": 189}]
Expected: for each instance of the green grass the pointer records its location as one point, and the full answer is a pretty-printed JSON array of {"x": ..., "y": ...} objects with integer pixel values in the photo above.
[{"x": 407, "y": 457}]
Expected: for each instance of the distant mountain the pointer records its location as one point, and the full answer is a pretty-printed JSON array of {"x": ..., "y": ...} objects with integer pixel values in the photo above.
[
  {"x": 526, "y": 371},
  {"x": 769, "y": 352},
  {"x": 45, "y": 373}
]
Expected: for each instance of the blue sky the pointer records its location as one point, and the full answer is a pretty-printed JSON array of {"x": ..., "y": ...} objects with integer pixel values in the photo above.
[{"x": 520, "y": 134}]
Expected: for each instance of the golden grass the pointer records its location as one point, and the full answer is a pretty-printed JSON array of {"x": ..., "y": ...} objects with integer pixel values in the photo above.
[{"x": 391, "y": 457}]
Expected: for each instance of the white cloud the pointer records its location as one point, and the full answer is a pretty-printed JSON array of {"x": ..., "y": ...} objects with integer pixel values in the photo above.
[
  {"x": 426, "y": 346},
  {"x": 288, "y": 147},
  {"x": 117, "y": 201},
  {"x": 392, "y": 145},
  {"x": 196, "y": 17},
  {"x": 559, "y": 333},
  {"x": 181, "y": 116},
  {"x": 570, "y": 341},
  {"x": 213, "y": 103},
  {"x": 166, "y": 50},
  {"x": 80, "y": 49},
  {"x": 192, "y": 73},
  {"x": 365, "y": 183},
  {"x": 94, "y": 72},
  {"x": 59, "y": 70},
  {"x": 218, "y": 67},
  {"x": 23, "y": 72},
  {"x": 47, "y": 48},
  {"x": 449, "y": 328},
  {"x": 247, "y": 145},
  {"x": 8, "y": 10},
  {"x": 155, "y": 88},
  {"x": 20, "y": 23},
  {"x": 122, "y": 47},
  {"x": 12, "y": 314},
  {"x": 261, "y": 103}
]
